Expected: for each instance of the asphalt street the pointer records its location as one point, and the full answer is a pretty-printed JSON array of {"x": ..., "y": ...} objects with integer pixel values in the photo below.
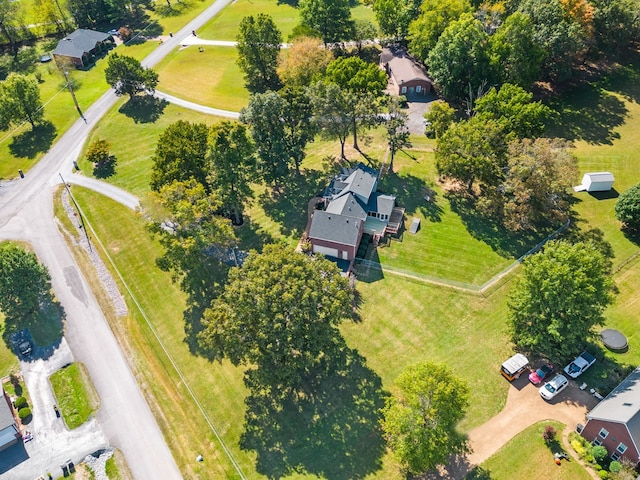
[{"x": 26, "y": 213}]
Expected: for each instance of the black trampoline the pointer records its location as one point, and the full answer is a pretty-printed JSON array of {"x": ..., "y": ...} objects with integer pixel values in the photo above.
[{"x": 614, "y": 340}]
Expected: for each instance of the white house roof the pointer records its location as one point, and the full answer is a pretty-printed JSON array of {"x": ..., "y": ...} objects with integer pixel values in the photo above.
[
  {"x": 348, "y": 205},
  {"x": 622, "y": 405}
]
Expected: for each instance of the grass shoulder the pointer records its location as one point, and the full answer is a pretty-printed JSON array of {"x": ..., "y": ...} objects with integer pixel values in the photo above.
[{"x": 76, "y": 398}]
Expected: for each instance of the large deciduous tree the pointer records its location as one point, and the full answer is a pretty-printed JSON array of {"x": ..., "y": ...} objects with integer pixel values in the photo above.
[
  {"x": 24, "y": 282},
  {"x": 193, "y": 229},
  {"x": 20, "y": 101},
  {"x": 258, "y": 48},
  {"x": 305, "y": 59},
  {"x": 435, "y": 17},
  {"x": 330, "y": 18},
  {"x": 561, "y": 296},
  {"x": 515, "y": 55},
  {"x": 278, "y": 316},
  {"x": 181, "y": 154},
  {"x": 394, "y": 16},
  {"x": 441, "y": 116},
  {"x": 332, "y": 111},
  {"x": 536, "y": 188},
  {"x": 472, "y": 150},
  {"x": 420, "y": 418},
  {"x": 364, "y": 84},
  {"x": 128, "y": 77},
  {"x": 628, "y": 209},
  {"x": 231, "y": 167},
  {"x": 514, "y": 109},
  {"x": 10, "y": 24},
  {"x": 460, "y": 60}
]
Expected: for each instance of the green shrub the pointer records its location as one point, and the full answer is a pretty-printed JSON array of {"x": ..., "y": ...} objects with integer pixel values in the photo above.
[
  {"x": 24, "y": 413},
  {"x": 597, "y": 467},
  {"x": 615, "y": 467},
  {"x": 599, "y": 453},
  {"x": 589, "y": 458},
  {"x": 20, "y": 402},
  {"x": 577, "y": 446},
  {"x": 603, "y": 474}
]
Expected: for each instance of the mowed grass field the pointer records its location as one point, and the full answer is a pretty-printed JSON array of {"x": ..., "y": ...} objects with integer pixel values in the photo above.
[
  {"x": 403, "y": 321},
  {"x": 210, "y": 77}
]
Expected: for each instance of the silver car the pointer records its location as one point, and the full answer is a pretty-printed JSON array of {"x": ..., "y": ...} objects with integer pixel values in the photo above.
[{"x": 553, "y": 387}]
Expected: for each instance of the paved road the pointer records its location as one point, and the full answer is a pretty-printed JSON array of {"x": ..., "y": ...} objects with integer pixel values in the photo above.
[{"x": 26, "y": 213}]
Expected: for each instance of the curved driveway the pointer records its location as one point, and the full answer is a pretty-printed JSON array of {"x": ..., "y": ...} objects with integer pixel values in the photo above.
[{"x": 26, "y": 213}]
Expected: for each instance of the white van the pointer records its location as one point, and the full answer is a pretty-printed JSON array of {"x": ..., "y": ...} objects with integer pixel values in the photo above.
[{"x": 514, "y": 367}]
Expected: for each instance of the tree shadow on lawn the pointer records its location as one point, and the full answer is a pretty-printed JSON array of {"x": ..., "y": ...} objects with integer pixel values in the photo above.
[
  {"x": 144, "y": 109},
  {"x": 37, "y": 140},
  {"x": 410, "y": 192},
  {"x": 330, "y": 427},
  {"x": 625, "y": 78},
  {"x": 44, "y": 327},
  {"x": 504, "y": 242},
  {"x": 288, "y": 205},
  {"x": 250, "y": 236},
  {"x": 588, "y": 113}
]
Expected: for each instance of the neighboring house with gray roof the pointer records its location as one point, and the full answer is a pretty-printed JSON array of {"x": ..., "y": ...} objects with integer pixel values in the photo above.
[
  {"x": 352, "y": 207},
  {"x": 615, "y": 422},
  {"x": 408, "y": 76},
  {"x": 9, "y": 432},
  {"x": 81, "y": 46}
]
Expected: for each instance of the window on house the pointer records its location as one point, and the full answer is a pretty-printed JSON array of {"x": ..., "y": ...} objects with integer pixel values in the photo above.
[
  {"x": 597, "y": 442},
  {"x": 418, "y": 88},
  {"x": 621, "y": 448},
  {"x": 603, "y": 433},
  {"x": 403, "y": 90},
  {"x": 615, "y": 456}
]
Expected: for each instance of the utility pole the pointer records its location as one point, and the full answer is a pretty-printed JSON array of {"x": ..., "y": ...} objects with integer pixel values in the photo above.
[
  {"x": 73, "y": 95},
  {"x": 82, "y": 226}
]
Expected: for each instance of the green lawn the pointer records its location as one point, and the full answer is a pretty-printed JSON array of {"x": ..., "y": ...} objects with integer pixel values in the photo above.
[
  {"x": 8, "y": 360},
  {"x": 209, "y": 78},
  {"x": 75, "y": 396},
  {"x": 528, "y": 456},
  {"x": 133, "y": 133},
  {"x": 225, "y": 25}
]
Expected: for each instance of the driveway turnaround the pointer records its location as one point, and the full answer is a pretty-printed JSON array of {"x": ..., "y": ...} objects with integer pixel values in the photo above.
[{"x": 52, "y": 444}]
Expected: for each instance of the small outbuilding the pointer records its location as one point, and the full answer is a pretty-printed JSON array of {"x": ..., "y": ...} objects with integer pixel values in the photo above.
[
  {"x": 596, "y": 182},
  {"x": 80, "y": 47},
  {"x": 408, "y": 77}
]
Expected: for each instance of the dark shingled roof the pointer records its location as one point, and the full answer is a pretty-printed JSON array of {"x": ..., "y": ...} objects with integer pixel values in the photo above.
[
  {"x": 82, "y": 41},
  {"x": 335, "y": 228},
  {"x": 381, "y": 203},
  {"x": 6, "y": 416},
  {"x": 348, "y": 205}
]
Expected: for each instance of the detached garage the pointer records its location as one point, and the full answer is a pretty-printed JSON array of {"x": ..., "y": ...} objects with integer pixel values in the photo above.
[{"x": 596, "y": 182}]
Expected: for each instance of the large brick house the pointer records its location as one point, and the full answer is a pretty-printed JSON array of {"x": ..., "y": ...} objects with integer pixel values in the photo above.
[
  {"x": 80, "y": 47},
  {"x": 352, "y": 207},
  {"x": 615, "y": 422}
]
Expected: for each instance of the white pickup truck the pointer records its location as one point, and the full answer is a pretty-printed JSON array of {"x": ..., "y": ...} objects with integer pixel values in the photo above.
[{"x": 579, "y": 365}]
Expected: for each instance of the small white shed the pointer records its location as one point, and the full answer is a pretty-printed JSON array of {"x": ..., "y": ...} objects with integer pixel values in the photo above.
[{"x": 598, "y": 181}]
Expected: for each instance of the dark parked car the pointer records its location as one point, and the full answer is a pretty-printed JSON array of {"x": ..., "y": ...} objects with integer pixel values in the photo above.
[{"x": 536, "y": 377}]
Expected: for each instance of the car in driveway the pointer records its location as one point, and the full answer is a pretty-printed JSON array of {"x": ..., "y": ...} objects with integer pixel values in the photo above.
[
  {"x": 114, "y": 32},
  {"x": 553, "y": 387},
  {"x": 537, "y": 376},
  {"x": 580, "y": 365}
]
